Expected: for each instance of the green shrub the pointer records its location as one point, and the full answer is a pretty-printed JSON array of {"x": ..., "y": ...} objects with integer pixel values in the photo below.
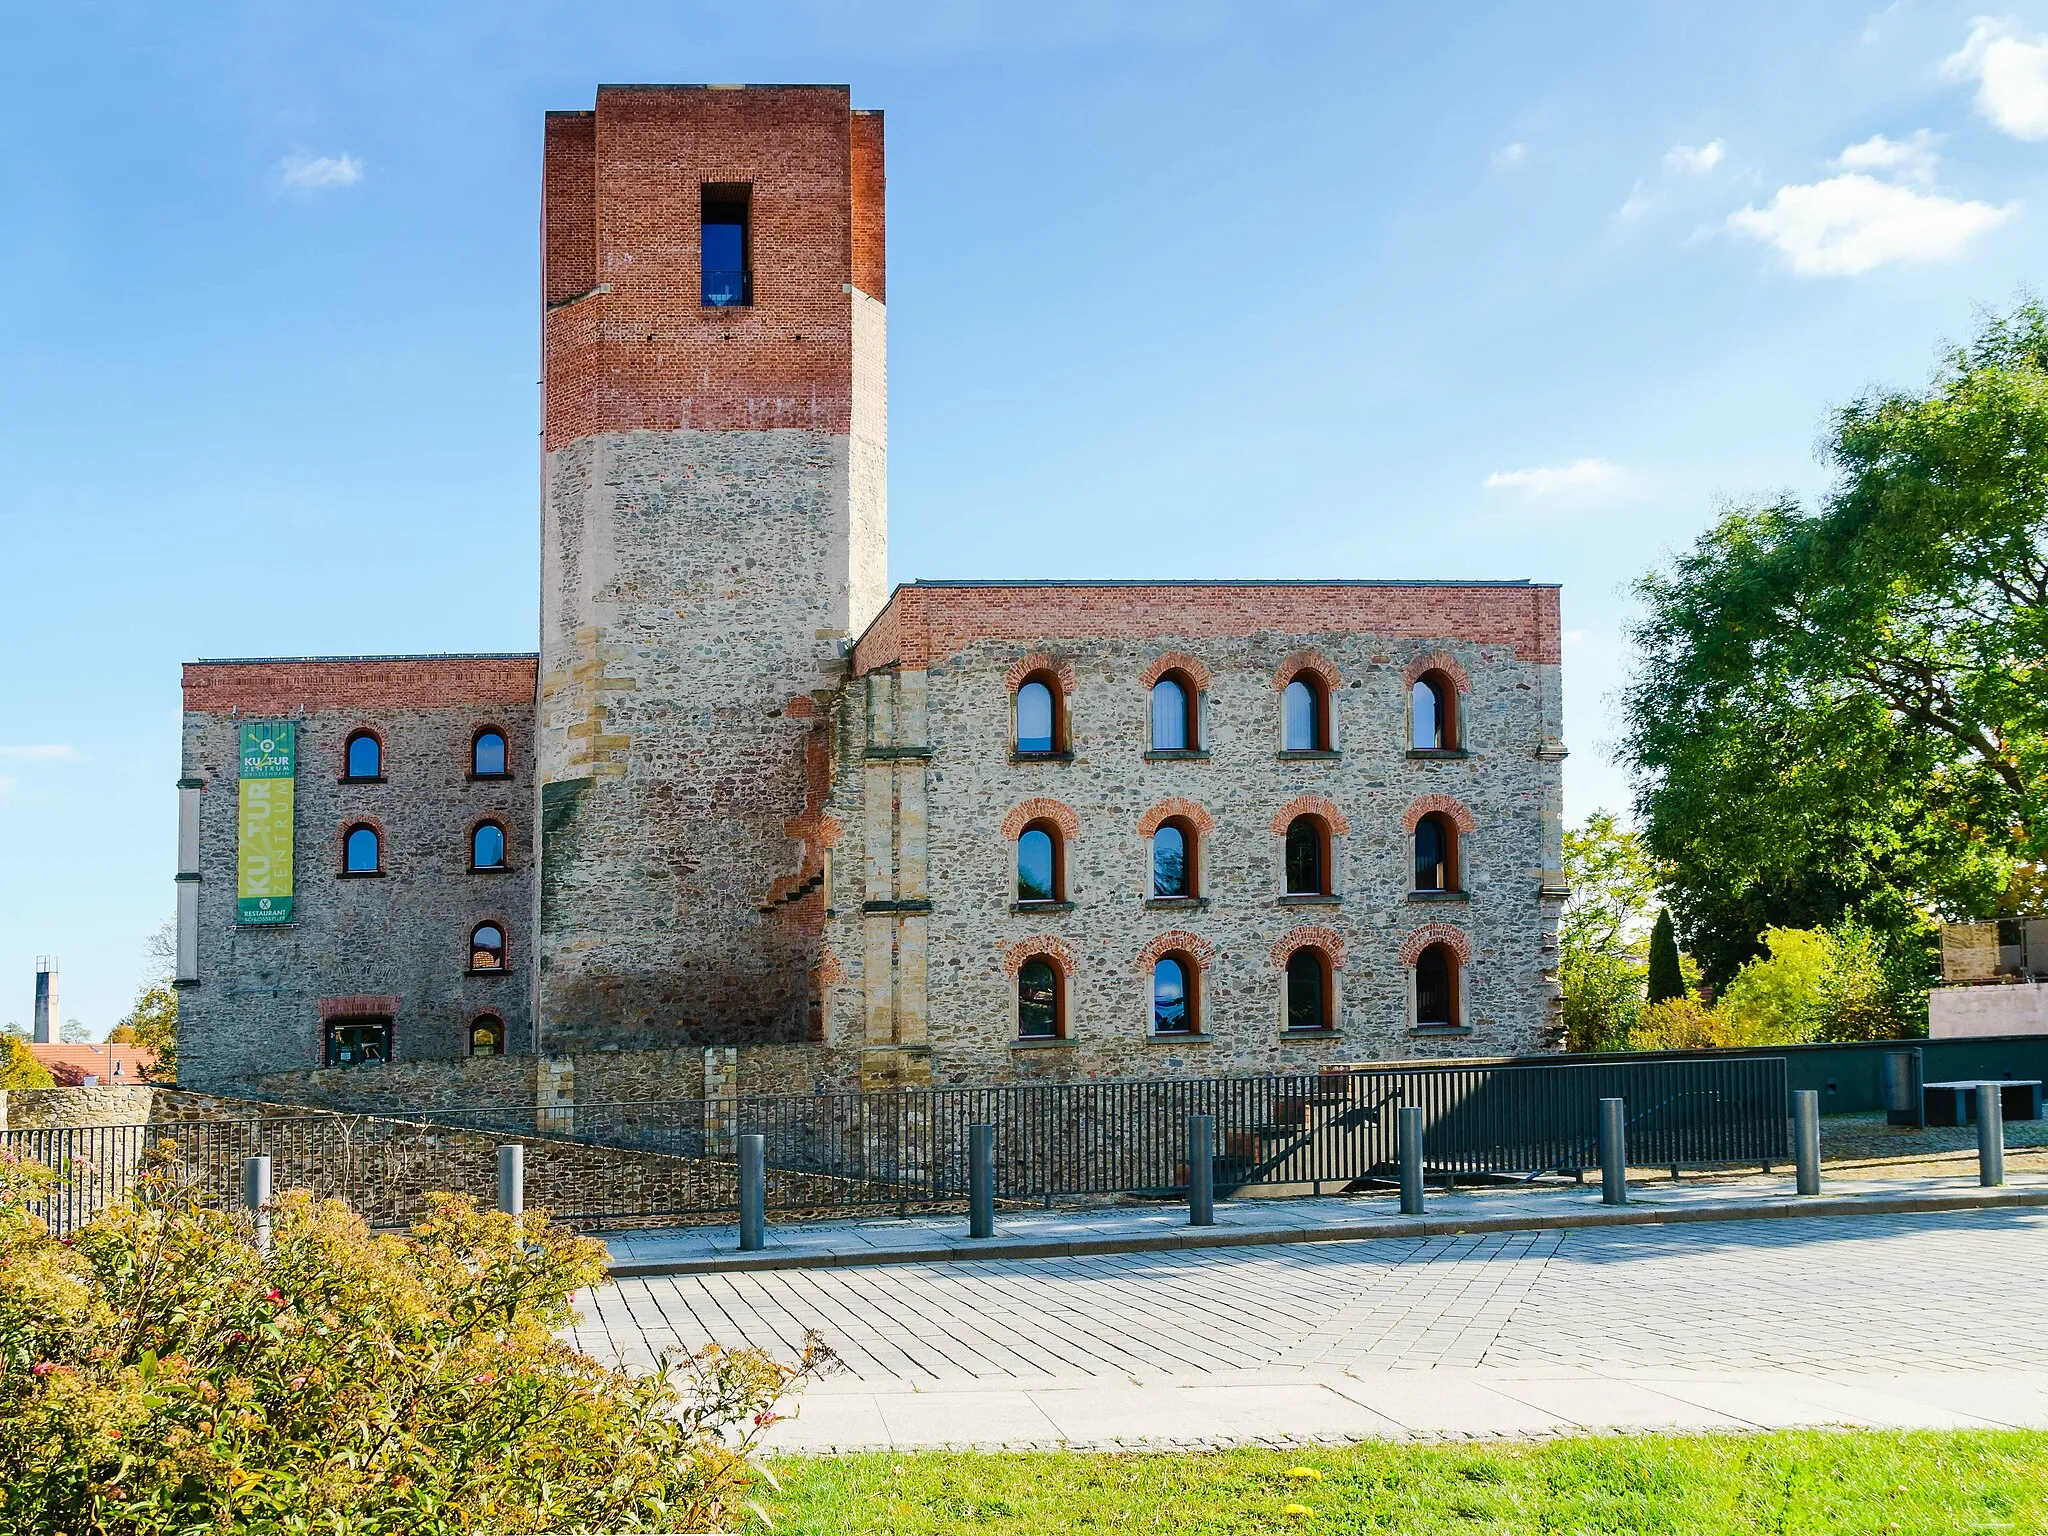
[
  {"x": 159, "y": 1375},
  {"x": 19, "y": 1067}
]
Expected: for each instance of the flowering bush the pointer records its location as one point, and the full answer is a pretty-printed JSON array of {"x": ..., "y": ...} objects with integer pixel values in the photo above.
[{"x": 158, "y": 1374}]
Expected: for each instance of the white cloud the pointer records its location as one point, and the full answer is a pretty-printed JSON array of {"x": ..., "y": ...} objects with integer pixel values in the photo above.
[
  {"x": 310, "y": 173},
  {"x": 49, "y": 752},
  {"x": 1684, "y": 159},
  {"x": 1912, "y": 156},
  {"x": 1639, "y": 202},
  {"x": 1852, "y": 223},
  {"x": 2011, "y": 74},
  {"x": 1510, "y": 154},
  {"x": 1557, "y": 479}
]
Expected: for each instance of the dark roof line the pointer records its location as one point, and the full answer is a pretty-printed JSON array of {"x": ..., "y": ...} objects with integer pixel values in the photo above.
[{"x": 247, "y": 661}]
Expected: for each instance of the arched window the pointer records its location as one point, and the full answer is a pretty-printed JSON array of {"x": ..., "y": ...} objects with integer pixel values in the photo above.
[
  {"x": 487, "y": 948},
  {"x": 1173, "y": 859},
  {"x": 1038, "y": 1000},
  {"x": 1173, "y": 996},
  {"x": 1433, "y": 709},
  {"x": 1040, "y": 876},
  {"x": 1308, "y": 857},
  {"x": 487, "y": 846},
  {"x": 365, "y": 758},
  {"x": 487, "y": 755},
  {"x": 1304, "y": 710},
  {"x": 1173, "y": 715},
  {"x": 1436, "y": 986},
  {"x": 1308, "y": 989},
  {"x": 1038, "y": 717},
  {"x": 1436, "y": 853},
  {"x": 487, "y": 1036},
  {"x": 360, "y": 851}
]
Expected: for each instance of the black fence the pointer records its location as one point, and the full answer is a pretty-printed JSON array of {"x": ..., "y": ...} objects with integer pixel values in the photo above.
[
  {"x": 1321, "y": 1132},
  {"x": 1310, "y": 1133}
]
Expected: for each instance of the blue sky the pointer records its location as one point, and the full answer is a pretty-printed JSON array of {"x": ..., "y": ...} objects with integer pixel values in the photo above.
[{"x": 1188, "y": 288}]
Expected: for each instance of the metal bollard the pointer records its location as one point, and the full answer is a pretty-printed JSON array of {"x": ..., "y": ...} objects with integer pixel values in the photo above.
[
  {"x": 1990, "y": 1136},
  {"x": 1408, "y": 1147},
  {"x": 753, "y": 1193},
  {"x": 981, "y": 1181},
  {"x": 1613, "y": 1153},
  {"x": 1201, "y": 1170},
  {"x": 1806, "y": 1139},
  {"x": 512, "y": 1179},
  {"x": 256, "y": 1196}
]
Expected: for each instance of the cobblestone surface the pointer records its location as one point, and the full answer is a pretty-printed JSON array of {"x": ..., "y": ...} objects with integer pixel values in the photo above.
[{"x": 1942, "y": 1293}]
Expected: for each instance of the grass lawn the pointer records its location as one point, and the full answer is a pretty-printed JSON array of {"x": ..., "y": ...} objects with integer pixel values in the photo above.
[{"x": 1800, "y": 1481}]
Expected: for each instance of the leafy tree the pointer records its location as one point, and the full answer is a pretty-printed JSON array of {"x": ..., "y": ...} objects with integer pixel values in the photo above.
[
  {"x": 153, "y": 1023},
  {"x": 1613, "y": 886},
  {"x": 1667, "y": 980},
  {"x": 74, "y": 1032},
  {"x": 1841, "y": 711},
  {"x": 160, "y": 1375},
  {"x": 19, "y": 1067}
]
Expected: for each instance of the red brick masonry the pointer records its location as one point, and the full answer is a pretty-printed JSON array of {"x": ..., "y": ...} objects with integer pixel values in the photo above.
[
  {"x": 927, "y": 622},
  {"x": 286, "y": 685}
]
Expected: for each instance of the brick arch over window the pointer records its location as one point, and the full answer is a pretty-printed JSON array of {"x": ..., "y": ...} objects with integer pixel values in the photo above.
[
  {"x": 1051, "y": 949},
  {"x": 1308, "y": 661},
  {"x": 1177, "y": 805},
  {"x": 1310, "y": 805},
  {"x": 348, "y": 825},
  {"x": 1176, "y": 661},
  {"x": 1040, "y": 808},
  {"x": 1038, "y": 661},
  {"x": 1176, "y": 941},
  {"x": 1437, "y": 661},
  {"x": 359, "y": 1006},
  {"x": 1328, "y": 940},
  {"x": 1424, "y": 805},
  {"x": 1436, "y": 933}
]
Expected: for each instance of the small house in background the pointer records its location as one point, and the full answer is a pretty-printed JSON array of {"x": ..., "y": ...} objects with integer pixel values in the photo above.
[
  {"x": 1994, "y": 980},
  {"x": 90, "y": 1064}
]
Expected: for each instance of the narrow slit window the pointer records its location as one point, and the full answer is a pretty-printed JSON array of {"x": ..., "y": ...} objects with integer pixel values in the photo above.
[{"x": 727, "y": 245}]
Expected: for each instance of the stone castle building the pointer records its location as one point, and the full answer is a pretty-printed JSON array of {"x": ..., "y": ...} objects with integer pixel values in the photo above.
[{"x": 744, "y": 796}]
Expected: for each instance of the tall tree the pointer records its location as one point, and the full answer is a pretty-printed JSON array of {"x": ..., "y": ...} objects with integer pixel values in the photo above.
[
  {"x": 1613, "y": 885},
  {"x": 1843, "y": 711},
  {"x": 1666, "y": 979}
]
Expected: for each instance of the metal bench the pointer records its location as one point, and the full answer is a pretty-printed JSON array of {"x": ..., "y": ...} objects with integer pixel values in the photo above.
[{"x": 1956, "y": 1103}]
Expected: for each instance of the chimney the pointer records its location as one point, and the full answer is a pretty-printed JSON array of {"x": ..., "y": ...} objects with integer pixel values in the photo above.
[{"x": 46, "y": 998}]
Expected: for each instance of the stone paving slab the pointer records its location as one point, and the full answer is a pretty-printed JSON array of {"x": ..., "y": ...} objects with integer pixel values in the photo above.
[
  {"x": 1262, "y": 1222},
  {"x": 1878, "y": 1319}
]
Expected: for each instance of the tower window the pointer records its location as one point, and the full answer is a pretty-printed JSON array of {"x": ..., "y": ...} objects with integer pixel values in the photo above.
[
  {"x": 365, "y": 756},
  {"x": 487, "y": 1035},
  {"x": 1436, "y": 853},
  {"x": 1174, "y": 1009},
  {"x": 1173, "y": 860},
  {"x": 1038, "y": 1000},
  {"x": 487, "y": 948},
  {"x": 727, "y": 245},
  {"x": 487, "y": 755},
  {"x": 1038, "y": 717},
  {"x": 1308, "y": 989},
  {"x": 1038, "y": 863},
  {"x": 1173, "y": 715},
  {"x": 1433, "y": 707},
  {"x": 1308, "y": 857},
  {"x": 1436, "y": 987},
  {"x": 360, "y": 850},
  {"x": 1304, "y": 716},
  {"x": 487, "y": 846}
]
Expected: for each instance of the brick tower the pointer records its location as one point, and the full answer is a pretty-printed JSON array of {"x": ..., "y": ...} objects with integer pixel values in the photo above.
[{"x": 713, "y": 525}]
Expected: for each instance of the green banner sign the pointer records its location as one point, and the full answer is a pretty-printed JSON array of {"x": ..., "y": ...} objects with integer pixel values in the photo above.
[{"x": 263, "y": 860}]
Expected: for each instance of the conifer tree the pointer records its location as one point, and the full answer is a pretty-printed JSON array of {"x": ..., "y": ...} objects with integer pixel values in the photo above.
[{"x": 1666, "y": 980}]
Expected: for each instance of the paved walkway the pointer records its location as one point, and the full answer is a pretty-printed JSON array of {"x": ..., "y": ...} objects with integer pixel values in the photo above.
[{"x": 1909, "y": 1320}]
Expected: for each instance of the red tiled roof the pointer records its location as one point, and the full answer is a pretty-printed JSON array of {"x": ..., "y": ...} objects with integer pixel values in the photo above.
[{"x": 72, "y": 1064}]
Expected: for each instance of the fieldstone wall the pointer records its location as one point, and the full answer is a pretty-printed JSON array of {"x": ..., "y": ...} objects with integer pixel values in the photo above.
[
  {"x": 28, "y": 1109},
  {"x": 256, "y": 1005},
  {"x": 926, "y": 944}
]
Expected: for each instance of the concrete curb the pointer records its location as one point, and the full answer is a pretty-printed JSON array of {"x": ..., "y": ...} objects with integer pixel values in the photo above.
[{"x": 1412, "y": 1226}]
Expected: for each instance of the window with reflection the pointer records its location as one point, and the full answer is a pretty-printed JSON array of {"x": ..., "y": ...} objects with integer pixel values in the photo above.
[
  {"x": 1308, "y": 989},
  {"x": 1436, "y": 986},
  {"x": 1436, "y": 853},
  {"x": 487, "y": 948},
  {"x": 1038, "y": 1000},
  {"x": 1038, "y": 863},
  {"x": 487, "y": 1036},
  {"x": 487, "y": 846},
  {"x": 1303, "y": 724},
  {"x": 487, "y": 755},
  {"x": 365, "y": 756},
  {"x": 1308, "y": 857},
  {"x": 1433, "y": 711},
  {"x": 1173, "y": 1002},
  {"x": 1173, "y": 860},
  {"x": 360, "y": 851},
  {"x": 1173, "y": 715},
  {"x": 1037, "y": 718}
]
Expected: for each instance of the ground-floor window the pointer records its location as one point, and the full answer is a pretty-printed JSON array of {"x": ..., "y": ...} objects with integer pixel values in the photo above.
[
  {"x": 353, "y": 1042},
  {"x": 487, "y": 1036},
  {"x": 1436, "y": 986}
]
